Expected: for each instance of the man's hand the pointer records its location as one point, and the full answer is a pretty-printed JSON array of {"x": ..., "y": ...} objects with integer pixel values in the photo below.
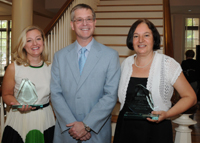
[
  {"x": 86, "y": 137},
  {"x": 77, "y": 130}
]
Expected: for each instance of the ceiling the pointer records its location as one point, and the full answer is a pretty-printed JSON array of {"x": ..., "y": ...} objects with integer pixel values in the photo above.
[
  {"x": 185, "y": 9},
  {"x": 38, "y": 8},
  {"x": 185, "y": 6},
  {"x": 5, "y": 8}
]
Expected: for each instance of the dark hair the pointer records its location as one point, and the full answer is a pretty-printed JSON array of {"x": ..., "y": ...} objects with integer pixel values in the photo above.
[
  {"x": 156, "y": 35},
  {"x": 190, "y": 53},
  {"x": 80, "y": 6}
]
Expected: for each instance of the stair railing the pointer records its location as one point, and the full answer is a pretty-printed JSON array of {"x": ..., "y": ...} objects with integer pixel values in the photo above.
[{"x": 168, "y": 42}]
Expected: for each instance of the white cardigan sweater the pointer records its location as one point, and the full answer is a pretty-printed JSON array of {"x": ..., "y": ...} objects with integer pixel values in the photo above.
[{"x": 163, "y": 73}]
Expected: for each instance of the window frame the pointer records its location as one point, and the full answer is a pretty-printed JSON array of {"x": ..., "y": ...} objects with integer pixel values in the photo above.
[
  {"x": 8, "y": 45},
  {"x": 191, "y": 28}
]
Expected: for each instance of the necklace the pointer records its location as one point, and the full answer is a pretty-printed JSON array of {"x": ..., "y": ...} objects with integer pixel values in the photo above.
[
  {"x": 38, "y": 64},
  {"x": 145, "y": 65}
]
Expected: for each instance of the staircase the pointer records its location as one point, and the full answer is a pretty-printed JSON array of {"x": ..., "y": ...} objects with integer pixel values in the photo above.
[{"x": 114, "y": 19}]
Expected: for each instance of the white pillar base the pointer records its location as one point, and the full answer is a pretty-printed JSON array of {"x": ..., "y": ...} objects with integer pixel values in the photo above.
[{"x": 183, "y": 132}]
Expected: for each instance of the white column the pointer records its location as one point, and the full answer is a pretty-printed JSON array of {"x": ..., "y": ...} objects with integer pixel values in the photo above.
[{"x": 22, "y": 16}]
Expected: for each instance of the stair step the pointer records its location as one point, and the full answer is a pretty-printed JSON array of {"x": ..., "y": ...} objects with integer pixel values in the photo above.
[
  {"x": 118, "y": 30},
  {"x": 123, "y": 0},
  {"x": 124, "y": 22},
  {"x": 123, "y": 51},
  {"x": 128, "y": 8},
  {"x": 114, "y": 118},
  {"x": 113, "y": 125},
  {"x": 116, "y": 109},
  {"x": 133, "y": 2},
  {"x": 129, "y": 11},
  {"x": 130, "y": 0},
  {"x": 104, "y": 39},
  {"x": 130, "y": 15}
]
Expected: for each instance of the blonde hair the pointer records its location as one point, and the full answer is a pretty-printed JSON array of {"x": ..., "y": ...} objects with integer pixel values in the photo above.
[{"x": 20, "y": 54}]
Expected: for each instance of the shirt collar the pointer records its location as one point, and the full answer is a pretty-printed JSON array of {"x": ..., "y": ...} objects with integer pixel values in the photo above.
[{"x": 88, "y": 47}]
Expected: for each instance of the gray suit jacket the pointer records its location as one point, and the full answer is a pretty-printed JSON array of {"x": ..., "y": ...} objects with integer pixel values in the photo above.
[{"x": 90, "y": 97}]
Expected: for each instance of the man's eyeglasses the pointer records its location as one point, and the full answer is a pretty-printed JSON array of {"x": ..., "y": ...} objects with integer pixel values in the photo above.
[{"x": 81, "y": 20}]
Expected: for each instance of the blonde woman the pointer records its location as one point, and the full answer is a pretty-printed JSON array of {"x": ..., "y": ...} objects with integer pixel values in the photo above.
[{"x": 29, "y": 124}]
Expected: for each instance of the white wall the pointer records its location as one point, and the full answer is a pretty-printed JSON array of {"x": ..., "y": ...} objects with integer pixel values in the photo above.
[{"x": 178, "y": 24}]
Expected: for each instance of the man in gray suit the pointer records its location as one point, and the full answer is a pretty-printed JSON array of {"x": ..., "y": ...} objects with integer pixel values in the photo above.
[{"x": 84, "y": 84}]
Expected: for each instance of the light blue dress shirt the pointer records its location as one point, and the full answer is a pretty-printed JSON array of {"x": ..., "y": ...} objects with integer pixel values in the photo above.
[{"x": 88, "y": 47}]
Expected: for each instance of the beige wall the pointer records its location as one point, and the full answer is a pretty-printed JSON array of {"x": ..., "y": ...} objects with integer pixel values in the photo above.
[
  {"x": 178, "y": 24},
  {"x": 178, "y": 36},
  {"x": 41, "y": 21},
  {"x": 41, "y": 16},
  {"x": 54, "y": 5}
]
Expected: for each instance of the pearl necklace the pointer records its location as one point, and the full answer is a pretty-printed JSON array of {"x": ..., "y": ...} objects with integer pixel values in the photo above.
[
  {"x": 146, "y": 64},
  {"x": 38, "y": 64}
]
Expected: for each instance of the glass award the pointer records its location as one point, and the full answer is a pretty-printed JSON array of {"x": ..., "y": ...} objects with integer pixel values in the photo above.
[
  {"x": 27, "y": 94},
  {"x": 140, "y": 104}
]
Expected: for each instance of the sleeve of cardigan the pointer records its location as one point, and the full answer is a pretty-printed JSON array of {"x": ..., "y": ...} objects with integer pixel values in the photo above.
[{"x": 174, "y": 70}]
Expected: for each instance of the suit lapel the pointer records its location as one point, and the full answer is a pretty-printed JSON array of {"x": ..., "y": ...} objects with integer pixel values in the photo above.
[
  {"x": 73, "y": 62},
  {"x": 91, "y": 62}
]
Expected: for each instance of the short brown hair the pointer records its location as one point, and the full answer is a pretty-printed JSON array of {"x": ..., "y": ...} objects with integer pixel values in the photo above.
[{"x": 80, "y": 6}]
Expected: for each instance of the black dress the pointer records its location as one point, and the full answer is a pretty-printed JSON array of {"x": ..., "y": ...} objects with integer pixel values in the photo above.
[{"x": 140, "y": 131}]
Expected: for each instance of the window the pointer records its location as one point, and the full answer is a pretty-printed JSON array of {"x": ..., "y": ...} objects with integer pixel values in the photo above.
[
  {"x": 5, "y": 44},
  {"x": 191, "y": 34}
]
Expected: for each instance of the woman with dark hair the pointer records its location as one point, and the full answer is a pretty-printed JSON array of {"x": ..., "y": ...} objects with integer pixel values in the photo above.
[
  {"x": 29, "y": 124},
  {"x": 159, "y": 74}
]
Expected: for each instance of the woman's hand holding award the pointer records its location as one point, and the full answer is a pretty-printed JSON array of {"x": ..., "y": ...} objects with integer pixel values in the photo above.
[
  {"x": 141, "y": 104},
  {"x": 26, "y": 95}
]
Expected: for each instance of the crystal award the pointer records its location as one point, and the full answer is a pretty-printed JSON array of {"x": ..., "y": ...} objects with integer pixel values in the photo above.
[
  {"x": 141, "y": 104},
  {"x": 27, "y": 94}
]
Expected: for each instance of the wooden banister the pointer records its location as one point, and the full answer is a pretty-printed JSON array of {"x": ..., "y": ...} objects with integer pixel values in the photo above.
[
  {"x": 57, "y": 16},
  {"x": 168, "y": 42}
]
